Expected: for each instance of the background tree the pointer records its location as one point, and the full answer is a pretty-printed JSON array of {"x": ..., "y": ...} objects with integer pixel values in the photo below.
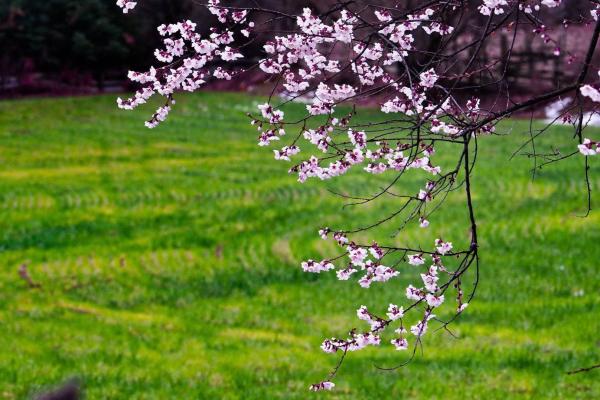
[{"x": 59, "y": 36}]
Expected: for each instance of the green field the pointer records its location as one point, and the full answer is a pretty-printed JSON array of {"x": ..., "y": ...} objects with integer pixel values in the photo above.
[{"x": 169, "y": 265}]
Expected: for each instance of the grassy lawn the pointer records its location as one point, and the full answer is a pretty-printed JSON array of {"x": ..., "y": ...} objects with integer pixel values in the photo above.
[{"x": 169, "y": 265}]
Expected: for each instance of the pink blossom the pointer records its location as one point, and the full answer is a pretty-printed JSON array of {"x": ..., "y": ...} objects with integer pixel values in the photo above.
[
  {"x": 416, "y": 259},
  {"x": 443, "y": 247},
  {"x": 428, "y": 78},
  {"x": 434, "y": 301},
  {"x": 126, "y": 5},
  {"x": 413, "y": 293},
  {"x": 357, "y": 255},
  {"x": 376, "y": 251},
  {"x": 395, "y": 312},
  {"x": 345, "y": 274},
  {"x": 589, "y": 148},
  {"x": 325, "y": 385},
  {"x": 400, "y": 343},
  {"x": 591, "y": 92}
]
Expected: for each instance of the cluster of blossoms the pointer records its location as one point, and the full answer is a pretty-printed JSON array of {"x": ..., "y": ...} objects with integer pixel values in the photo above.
[
  {"x": 301, "y": 59},
  {"x": 589, "y": 147},
  {"x": 333, "y": 61},
  {"x": 497, "y": 7},
  {"x": 430, "y": 295},
  {"x": 191, "y": 60},
  {"x": 126, "y": 5}
]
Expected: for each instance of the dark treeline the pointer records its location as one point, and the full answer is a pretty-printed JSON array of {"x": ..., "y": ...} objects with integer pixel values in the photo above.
[
  {"x": 49, "y": 45},
  {"x": 58, "y": 46}
]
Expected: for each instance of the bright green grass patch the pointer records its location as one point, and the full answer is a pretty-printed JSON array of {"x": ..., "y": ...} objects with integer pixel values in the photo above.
[{"x": 169, "y": 264}]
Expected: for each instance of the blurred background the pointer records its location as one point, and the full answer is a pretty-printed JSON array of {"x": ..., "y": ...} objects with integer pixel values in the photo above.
[
  {"x": 58, "y": 47},
  {"x": 165, "y": 263}
]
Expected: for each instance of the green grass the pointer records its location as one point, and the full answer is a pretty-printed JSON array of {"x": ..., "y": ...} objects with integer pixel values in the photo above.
[{"x": 169, "y": 265}]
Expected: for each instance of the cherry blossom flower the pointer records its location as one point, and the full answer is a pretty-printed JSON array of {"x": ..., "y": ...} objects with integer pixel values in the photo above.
[
  {"x": 589, "y": 148},
  {"x": 376, "y": 251},
  {"x": 358, "y": 139},
  {"x": 383, "y": 15},
  {"x": 430, "y": 280},
  {"x": 363, "y": 314},
  {"x": 400, "y": 343},
  {"x": 328, "y": 346},
  {"x": 317, "y": 267},
  {"x": 357, "y": 255},
  {"x": 229, "y": 55},
  {"x": 434, "y": 301},
  {"x": 340, "y": 238},
  {"x": 345, "y": 274},
  {"x": 425, "y": 196},
  {"x": 551, "y": 3},
  {"x": 443, "y": 247},
  {"x": 416, "y": 259},
  {"x": 591, "y": 92},
  {"x": 383, "y": 274},
  {"x": 490, "y": 7},
  {"x": 126, "y": 5},
  {"x": 428, "y": 78},
  {"x": 413, "y": 293},
  {"x": 325, "y": 385},
  {"x": 324, "y": 233},
  {"x": 286, "y": 152},
  {"x": 395, "y": 312},
  {"x": 419, "y": 329}
]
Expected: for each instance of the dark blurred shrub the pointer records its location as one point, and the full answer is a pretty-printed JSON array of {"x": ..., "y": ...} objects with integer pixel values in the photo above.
[{"x": 66, "y": 37}]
